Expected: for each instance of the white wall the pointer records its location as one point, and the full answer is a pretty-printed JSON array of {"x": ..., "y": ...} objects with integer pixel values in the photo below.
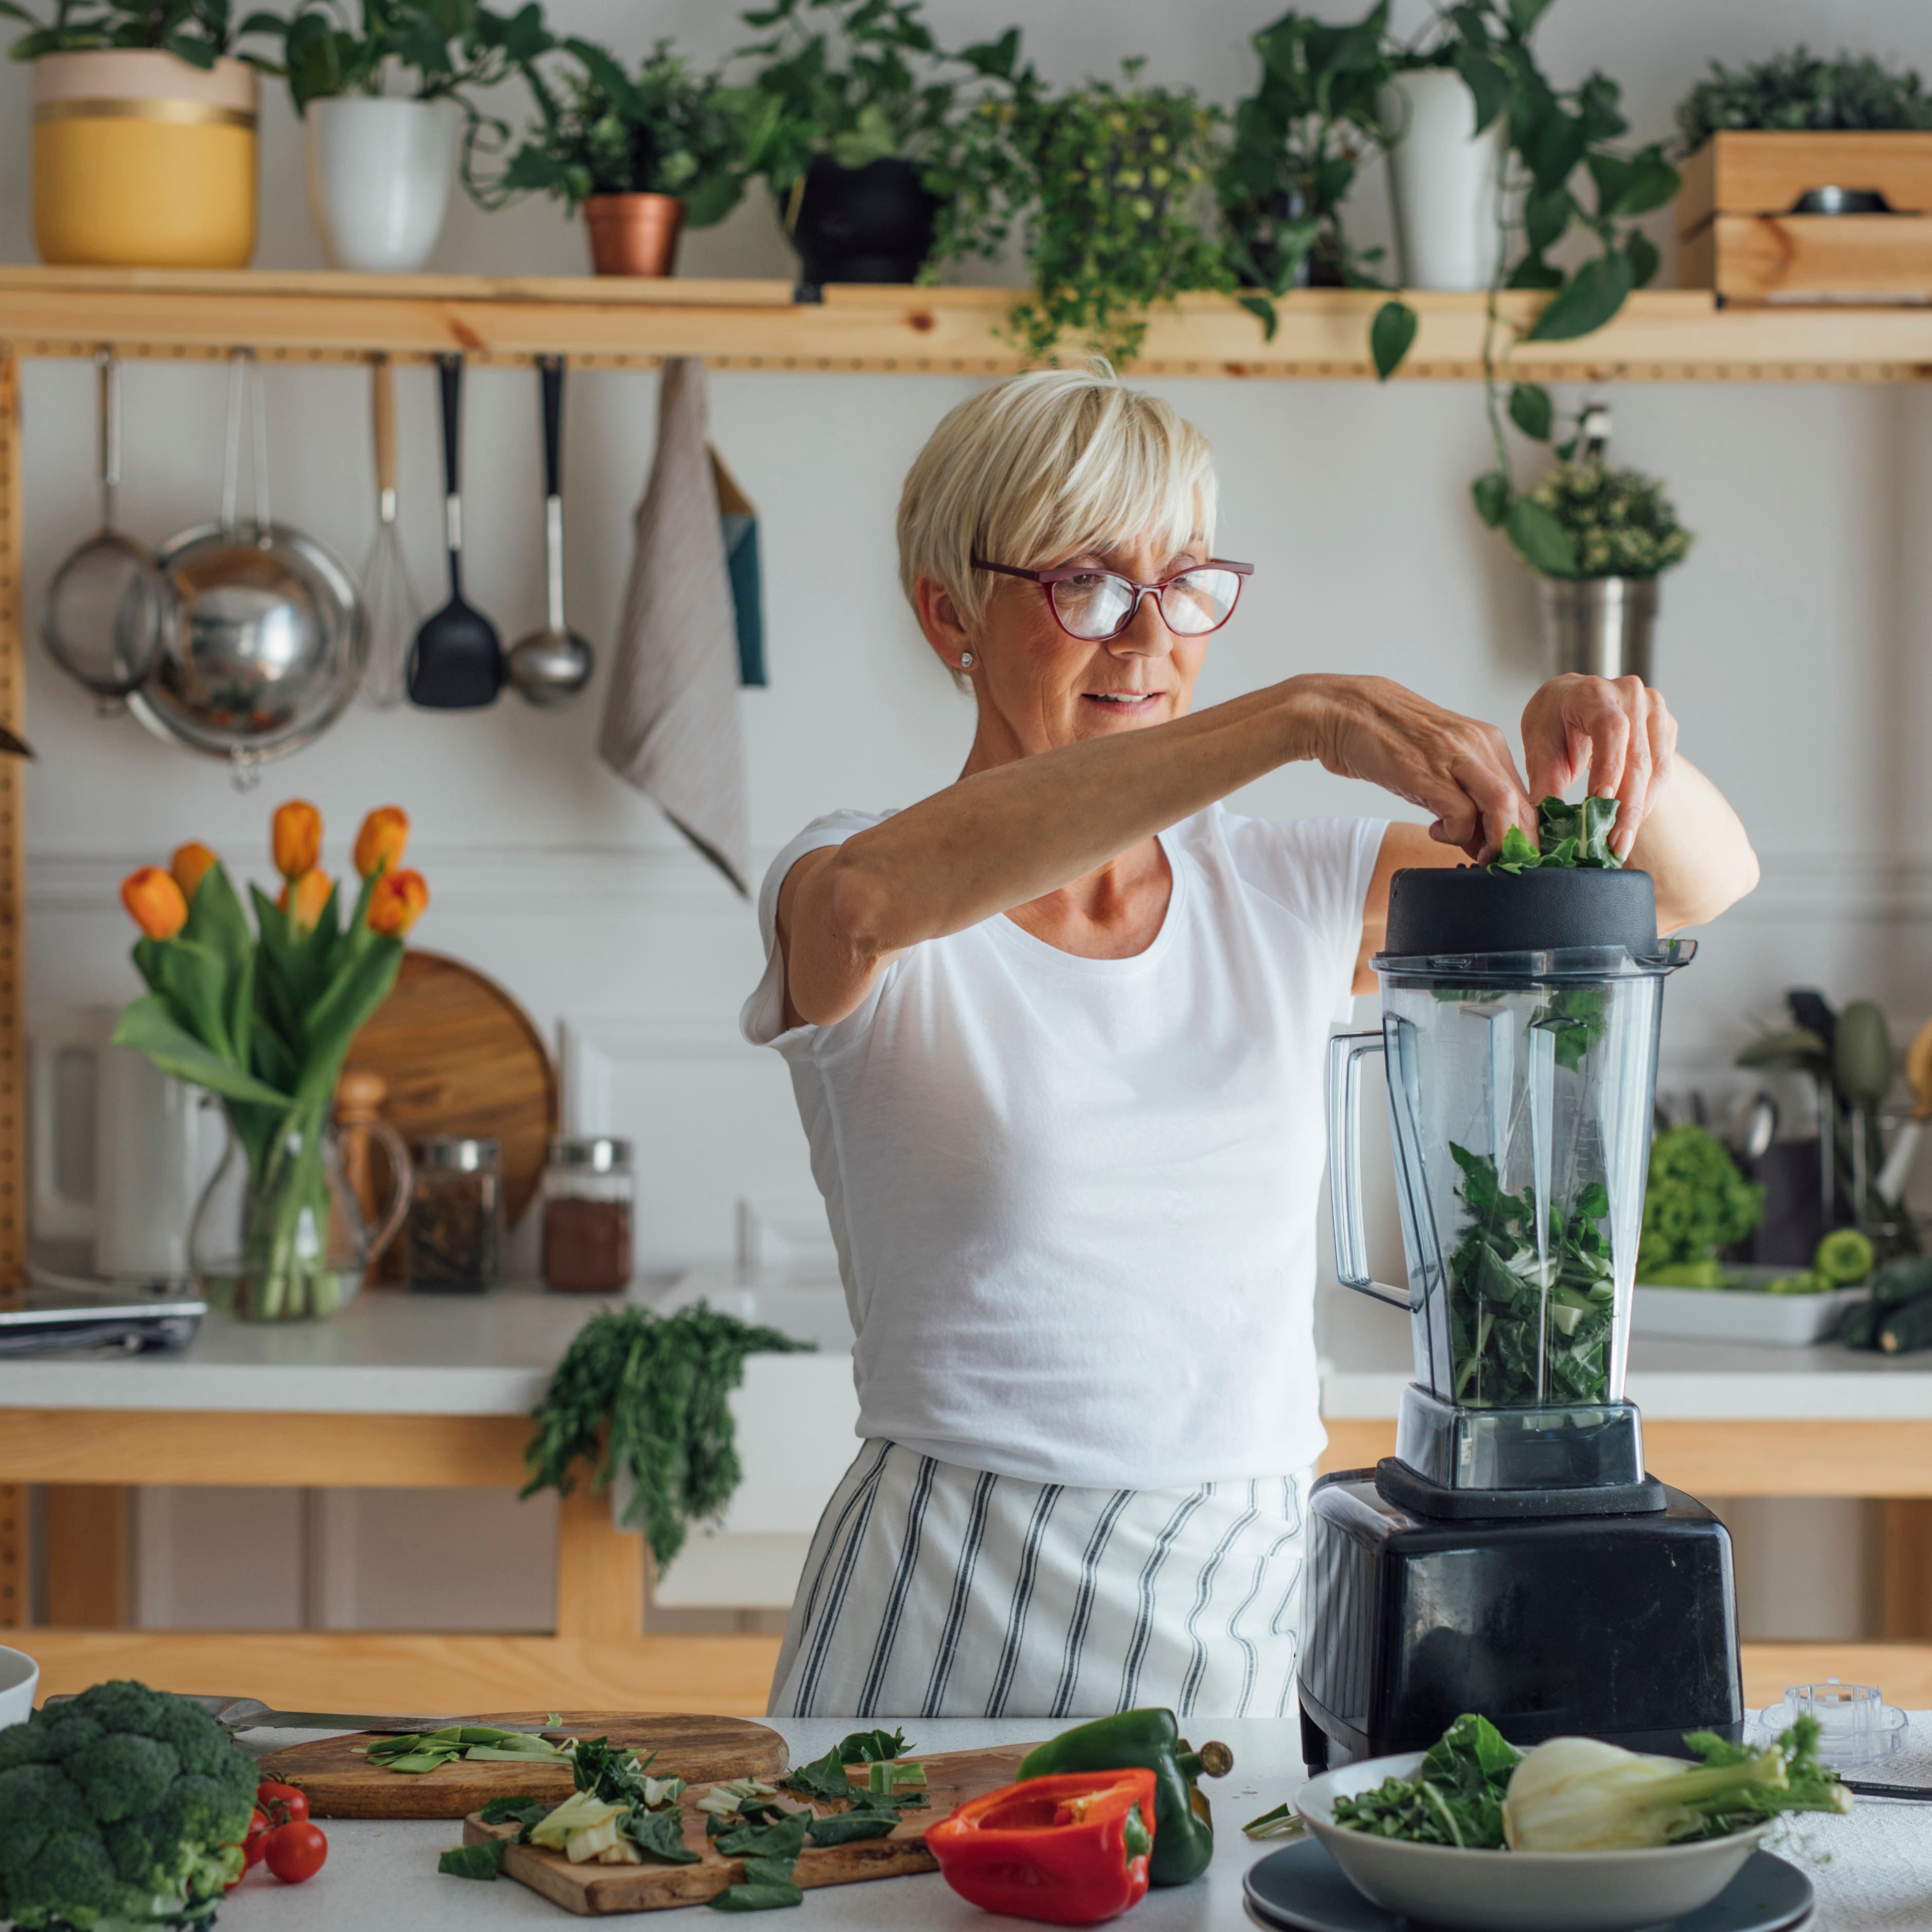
[{"x": 1791, "y": 644}]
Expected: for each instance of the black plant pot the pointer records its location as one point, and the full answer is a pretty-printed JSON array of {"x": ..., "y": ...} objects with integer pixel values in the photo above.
[{"x": 868, "y": 224}]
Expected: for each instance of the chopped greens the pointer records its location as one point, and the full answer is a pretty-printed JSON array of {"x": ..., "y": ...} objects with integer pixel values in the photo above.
[
  {"x": 845, "y": 1828},
  {"x": 658, "y": 1835},
  {"x": 481, "y": 1860},
  {"x": 521, "y": 1810},
  {"x": 420, "y": 1751},
  {"x": 873, "y": 1746},
  {"x": 823, "y": 1778},
  {"x": 768, "y": 1887},
  {"x": 1498, "y": 1332},
  {"x": 1455, "y": 1798},
  {"x": 1569, "y": 836},
  {"x": 1283, "y": 1822}
]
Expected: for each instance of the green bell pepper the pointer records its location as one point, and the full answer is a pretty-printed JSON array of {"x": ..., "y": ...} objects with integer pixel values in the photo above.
[{"x": 1183, "y": 1832}]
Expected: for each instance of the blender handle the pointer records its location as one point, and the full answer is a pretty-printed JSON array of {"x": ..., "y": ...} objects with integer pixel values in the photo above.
[{"x": 1345, "y": 1054}]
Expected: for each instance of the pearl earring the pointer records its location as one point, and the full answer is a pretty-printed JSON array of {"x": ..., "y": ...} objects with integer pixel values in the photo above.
[{"x": 965, "y": 660}]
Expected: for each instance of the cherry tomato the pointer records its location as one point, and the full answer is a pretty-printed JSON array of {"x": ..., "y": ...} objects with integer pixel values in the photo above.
[
  {"x": 256, "y": 1842},
  {"x": 295, "y": 1851},
  {"x": 283, "y": 1803}
]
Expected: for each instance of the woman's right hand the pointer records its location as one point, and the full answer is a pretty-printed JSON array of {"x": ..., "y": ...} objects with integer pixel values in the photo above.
[{"x": 1459, "y": 770}]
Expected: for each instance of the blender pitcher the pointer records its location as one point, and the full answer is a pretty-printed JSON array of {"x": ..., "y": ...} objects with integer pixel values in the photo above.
[{"x": 1520, "y": 1016}]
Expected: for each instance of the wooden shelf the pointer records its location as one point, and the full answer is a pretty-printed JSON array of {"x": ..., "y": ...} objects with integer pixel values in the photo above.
[{"x": 1667, "y": 336}]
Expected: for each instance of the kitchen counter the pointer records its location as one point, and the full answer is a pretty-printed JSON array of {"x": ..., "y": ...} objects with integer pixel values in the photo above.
[{"x": 1872, "y": 1871}]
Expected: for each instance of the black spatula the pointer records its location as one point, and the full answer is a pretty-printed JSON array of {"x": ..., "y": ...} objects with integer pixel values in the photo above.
[{"x": 457, "y": 663}]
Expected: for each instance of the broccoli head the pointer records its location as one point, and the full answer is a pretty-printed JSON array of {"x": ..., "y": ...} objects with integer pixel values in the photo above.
[{"x": 123, "y": 1806}]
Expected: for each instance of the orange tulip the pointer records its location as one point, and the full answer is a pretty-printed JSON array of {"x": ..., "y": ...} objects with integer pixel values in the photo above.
[
  {"x": 397, "y": 903},
  {"x": 296, "y": 842},
  {"x": 155, "y": 901},
  {"x": 303, "y": 899},
  {"x": 190, "y": 864},
  {"x": 379, "y": 845}
]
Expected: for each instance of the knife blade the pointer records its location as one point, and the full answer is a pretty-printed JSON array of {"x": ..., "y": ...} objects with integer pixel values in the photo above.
[
  {"x": 1865, "y": 1788},
  {"x": 251, "y": 1713}
]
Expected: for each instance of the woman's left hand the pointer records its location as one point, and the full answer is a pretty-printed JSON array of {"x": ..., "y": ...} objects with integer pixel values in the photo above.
[{"x": 1618, "y": 730}]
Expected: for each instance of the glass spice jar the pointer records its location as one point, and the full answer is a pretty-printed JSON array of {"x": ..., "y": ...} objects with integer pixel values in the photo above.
[
  {"x": 454, "y": 1234},
  {"x": 589, "y": 1190}
]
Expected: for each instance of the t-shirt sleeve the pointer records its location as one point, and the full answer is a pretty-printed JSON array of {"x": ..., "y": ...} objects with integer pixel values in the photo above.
[
  {"x": 1320, "y": 869},
  {"x": 761, "y": 1019}
]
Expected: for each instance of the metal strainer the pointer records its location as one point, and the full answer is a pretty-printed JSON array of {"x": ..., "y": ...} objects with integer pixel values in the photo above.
[{"x": 110, "y": 610}]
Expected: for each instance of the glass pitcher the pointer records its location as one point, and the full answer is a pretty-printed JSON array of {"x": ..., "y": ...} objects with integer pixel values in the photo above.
[{"x": 1520, "y": 1086}]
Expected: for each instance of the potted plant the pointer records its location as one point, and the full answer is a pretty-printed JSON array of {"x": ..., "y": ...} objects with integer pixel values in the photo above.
[
  {"x": 644, "y": 156},
  {"x": 1779, "y": 153},
  {"x": 144, "y": 133},
  {"x": 851, "y": 110},
  {"x": 1612, "y": 534},
  {"x": 263, "y": 1020},
  {"x": 1113, "y": 184},
  {"x": 1297, "y": 143},
  {"x": 380, "y": 164}
]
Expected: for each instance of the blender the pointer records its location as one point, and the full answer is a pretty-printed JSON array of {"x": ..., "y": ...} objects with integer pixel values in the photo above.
[{"x": 1513, "y": 1558}]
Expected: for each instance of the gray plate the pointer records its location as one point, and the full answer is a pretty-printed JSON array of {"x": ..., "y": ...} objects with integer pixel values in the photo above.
[{"x": 1301, "y": 1888}]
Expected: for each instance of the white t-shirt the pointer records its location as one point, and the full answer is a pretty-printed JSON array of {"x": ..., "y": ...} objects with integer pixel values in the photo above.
[{"x": 1074, "y": 1200}]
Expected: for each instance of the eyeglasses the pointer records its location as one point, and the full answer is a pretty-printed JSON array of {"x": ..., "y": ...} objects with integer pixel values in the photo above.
[{"x": 1097, "y": 605}]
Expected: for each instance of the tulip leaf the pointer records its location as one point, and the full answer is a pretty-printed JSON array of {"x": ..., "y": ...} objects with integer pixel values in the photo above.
[
  {"x": 147, "y": 1025},
  {"x": 336, "y": 1017}
]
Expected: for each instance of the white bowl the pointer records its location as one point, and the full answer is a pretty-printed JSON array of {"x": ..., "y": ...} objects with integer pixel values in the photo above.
[
  {"x": 1516, "y": 1891},
  {"x": 19, "y": 1676}
]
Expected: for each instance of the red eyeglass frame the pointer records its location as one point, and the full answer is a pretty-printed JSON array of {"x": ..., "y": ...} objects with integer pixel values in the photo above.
[{"x": 1061, "y": 573}]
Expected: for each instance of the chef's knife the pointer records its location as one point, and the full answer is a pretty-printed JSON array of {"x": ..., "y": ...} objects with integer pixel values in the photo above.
[
  {"x": 251, "y": 1713},
  {"x": 1865, "y": 1789}
]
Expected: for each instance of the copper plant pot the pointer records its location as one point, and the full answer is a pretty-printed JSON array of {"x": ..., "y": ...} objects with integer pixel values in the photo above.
[{"x": 633, "y": 234}]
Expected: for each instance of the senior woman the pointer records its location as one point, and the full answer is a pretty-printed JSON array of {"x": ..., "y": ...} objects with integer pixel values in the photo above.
[{"x": 1056, "y": 1033}]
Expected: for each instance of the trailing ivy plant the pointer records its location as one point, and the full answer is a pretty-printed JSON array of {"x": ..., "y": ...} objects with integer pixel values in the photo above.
[
  {"x": 198, "y": 31},
  {"x": 1562, "y": 169},
  {"x": 1298, "y": 143},
  {"x": 1112, "y": 182},
  {"x": 664, "y": 130},
  {"x": 1797, "y": 91}
]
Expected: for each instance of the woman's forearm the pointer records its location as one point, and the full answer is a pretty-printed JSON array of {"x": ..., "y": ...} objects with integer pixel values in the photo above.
[{"x": 1696, "y": 850}]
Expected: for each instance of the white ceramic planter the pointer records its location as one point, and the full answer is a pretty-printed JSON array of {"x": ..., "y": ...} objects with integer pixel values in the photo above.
[
  {"x": 1442, "y": 178},
  {"x": 380, "y": 173}
]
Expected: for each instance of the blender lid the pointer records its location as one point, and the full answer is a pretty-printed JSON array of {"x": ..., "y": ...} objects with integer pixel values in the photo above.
[{"x": 1438, "y": 913}]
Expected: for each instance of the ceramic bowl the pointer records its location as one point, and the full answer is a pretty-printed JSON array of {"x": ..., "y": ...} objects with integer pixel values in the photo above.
[
  {"x": 1517, "y": 1891},
  {"x": 19, "y": 1677}
]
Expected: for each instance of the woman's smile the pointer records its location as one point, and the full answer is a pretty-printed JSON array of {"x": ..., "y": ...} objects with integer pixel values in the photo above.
[{"x": 1123, "y": 703}]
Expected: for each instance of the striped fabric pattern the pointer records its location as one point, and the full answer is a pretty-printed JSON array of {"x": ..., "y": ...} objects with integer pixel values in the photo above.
[{"x": 934, "y": 1591}]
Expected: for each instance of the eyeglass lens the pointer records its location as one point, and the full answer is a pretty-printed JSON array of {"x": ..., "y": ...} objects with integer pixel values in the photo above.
[{"x": 1097, "y": 604}]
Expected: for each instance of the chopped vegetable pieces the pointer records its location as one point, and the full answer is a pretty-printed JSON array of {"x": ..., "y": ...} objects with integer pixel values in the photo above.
[{"x": 481, "y": 1860}]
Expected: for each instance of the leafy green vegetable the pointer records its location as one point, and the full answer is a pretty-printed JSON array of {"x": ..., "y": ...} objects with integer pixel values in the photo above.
[
  {"x": 425, "y": 1751},
  {"x": 1696, "y": 1203},
  {"x": 823, "y": 1778},
  {"x": 659, "y": 1385},
  {"x": 784, "y": 1840},
  {"x": 1497, "y": 1328},
  {"x": 1283, "y": 1822},
  {"x": 482, "y": 1861},
  {"x": 873, "y": 1746},
  {"x": 1568, "y": 836},
  {"x": 845, "y": 1827},
  {"x": 1455, "y": 1798},
  {"x": 657, "y": 1835},
  {"x": 521, "y": 1810},
  {"x": 768, "y": 1887}
]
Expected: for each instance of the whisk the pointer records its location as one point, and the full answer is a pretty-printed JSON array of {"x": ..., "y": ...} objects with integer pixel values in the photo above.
[{"x": 394, "y": 609}]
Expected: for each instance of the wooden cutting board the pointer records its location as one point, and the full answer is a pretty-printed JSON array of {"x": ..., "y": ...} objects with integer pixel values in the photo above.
[
  {"x": 341, "y": 1785},
  {"x": 459, "y": 1056},
  {"x": 952, "y": 1778}
]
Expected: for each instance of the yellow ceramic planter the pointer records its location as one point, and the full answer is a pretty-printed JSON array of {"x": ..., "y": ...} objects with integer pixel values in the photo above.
[{"x": 143, "y": 161}]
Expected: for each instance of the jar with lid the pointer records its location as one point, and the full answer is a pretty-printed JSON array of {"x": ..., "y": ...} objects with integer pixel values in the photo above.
[
  {"x": 589, "y": 1190},
  {"x": 454, "y": 1234}
]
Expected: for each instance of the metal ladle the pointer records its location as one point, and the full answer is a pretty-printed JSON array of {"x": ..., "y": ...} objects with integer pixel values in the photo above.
[
  {"x": 111, "y": 611},
  {"x": 550, "y": 666}
]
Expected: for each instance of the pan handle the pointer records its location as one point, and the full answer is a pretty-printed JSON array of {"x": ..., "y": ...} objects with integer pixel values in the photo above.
[
  {"x": 450, "y": 368},
  {"x": 551, "y": 369}
]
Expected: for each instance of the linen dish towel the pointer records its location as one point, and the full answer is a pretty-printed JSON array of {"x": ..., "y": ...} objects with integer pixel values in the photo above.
[{"x": 671, "y": 726}]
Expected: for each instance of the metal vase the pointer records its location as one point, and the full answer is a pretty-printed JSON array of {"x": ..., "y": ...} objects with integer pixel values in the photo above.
[{"x": 1600, "y": 626}]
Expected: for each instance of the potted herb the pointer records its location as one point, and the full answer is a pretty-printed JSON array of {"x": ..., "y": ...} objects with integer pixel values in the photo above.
[
  {"x": 1114, "y": 186},
  {"x": 1612, "y": 534},
  {"x": 852, "y": 108},
  {"x": 643, "y": 155},
  {"x": 1297, "y": 143},
  {"x": 144, "y": 133},
  {"x": 380, "y": 162},
  {"x": 1779, "y": 152}
]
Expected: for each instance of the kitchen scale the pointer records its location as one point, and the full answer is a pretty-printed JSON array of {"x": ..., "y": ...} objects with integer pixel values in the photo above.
[{"x": 1513, "y": 1558}]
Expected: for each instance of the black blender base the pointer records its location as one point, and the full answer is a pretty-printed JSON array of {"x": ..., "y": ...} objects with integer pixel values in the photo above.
[{"x": 1400, "y": 1485}]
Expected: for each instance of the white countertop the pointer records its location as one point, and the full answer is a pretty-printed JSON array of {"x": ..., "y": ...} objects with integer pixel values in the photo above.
[{"x": 1870, "y": 1870}]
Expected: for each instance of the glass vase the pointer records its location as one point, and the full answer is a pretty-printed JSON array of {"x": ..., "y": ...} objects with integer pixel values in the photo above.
[{"x": 278, "y": 1235}]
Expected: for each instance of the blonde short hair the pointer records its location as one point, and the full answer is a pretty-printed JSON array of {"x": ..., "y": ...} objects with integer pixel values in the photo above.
[{"x": 1044, "y": 467}]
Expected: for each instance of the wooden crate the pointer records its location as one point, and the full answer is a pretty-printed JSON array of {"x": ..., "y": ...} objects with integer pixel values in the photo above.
[{"x": 1735, "y": 233}]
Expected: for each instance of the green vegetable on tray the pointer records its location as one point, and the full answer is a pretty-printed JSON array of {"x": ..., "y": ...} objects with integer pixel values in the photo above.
[
  {"x": 1497, "y": 1328},
  {"x": 124, "y": 1806},
  {"x": 1475, "y": 1790}
]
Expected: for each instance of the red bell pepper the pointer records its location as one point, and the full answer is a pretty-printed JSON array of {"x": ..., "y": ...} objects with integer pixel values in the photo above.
[{"x": 1068, "y": 1850}]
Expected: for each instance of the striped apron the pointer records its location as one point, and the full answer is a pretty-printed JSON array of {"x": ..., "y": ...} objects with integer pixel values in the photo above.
[{"x": 937, "y": 1591}]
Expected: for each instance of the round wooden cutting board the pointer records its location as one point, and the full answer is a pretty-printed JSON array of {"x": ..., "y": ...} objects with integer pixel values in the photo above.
[
  {"x": 701, "y": 1751},
  {"x": 459, "y": 1056}
]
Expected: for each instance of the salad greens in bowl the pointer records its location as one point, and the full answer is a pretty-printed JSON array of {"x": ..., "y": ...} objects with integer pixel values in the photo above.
[{"x": 1573, "y": 1835}]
